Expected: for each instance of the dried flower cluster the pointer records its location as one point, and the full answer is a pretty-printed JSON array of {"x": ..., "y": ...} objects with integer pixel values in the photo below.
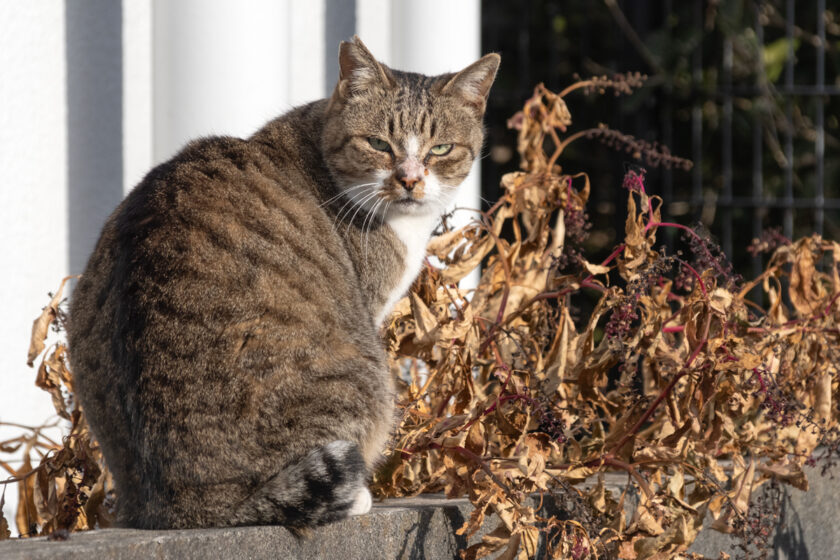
[
  {"x": 700, "y": 397},
  {"x": 652, "y": 153}
]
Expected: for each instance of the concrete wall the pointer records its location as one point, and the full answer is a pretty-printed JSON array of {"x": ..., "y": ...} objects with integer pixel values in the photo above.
[{"x": 93, "y": 93}]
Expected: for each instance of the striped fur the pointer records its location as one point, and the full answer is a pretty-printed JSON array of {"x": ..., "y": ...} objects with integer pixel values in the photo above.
[{"x": 224, "y": 335}]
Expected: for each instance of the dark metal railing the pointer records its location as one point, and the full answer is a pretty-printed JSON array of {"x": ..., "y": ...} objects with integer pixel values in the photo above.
[{"x": 754, "y": 167}]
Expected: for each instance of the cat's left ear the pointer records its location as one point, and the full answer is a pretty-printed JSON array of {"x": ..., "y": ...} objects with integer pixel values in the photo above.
[{"x": 473, "y": 83}]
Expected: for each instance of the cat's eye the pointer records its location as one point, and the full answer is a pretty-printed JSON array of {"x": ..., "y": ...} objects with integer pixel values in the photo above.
[
  {"x": 441, "y": 149},
  {"x": 379, "y": 144}
]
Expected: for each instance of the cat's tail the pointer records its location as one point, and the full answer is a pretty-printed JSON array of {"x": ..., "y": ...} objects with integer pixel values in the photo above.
[{"x": 326, "y": 485}]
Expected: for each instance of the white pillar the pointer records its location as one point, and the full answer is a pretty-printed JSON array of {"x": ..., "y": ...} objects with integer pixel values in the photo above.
[
  {"x": 307, "y": 52},
  {"x": 220, "y": 67},
  {"x": 137, "y": 91},
  {"x": 373, "y": 26}
]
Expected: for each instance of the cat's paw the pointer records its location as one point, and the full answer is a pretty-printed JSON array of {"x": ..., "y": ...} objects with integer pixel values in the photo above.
[{"x": 362, "y": 503}]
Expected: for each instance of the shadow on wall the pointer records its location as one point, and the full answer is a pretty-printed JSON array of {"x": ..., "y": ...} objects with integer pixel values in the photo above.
[
  {"x": 790, "y": 537},
  {"x": 93, "y": 31}
]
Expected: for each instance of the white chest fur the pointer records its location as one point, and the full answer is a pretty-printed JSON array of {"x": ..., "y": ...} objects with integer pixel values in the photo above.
[{"x": 414, "y": 231}]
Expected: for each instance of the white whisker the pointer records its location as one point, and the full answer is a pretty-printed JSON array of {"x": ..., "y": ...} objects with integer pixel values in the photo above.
[
  {"x": 369, "y": 221},
  {"x": 345, "y": 191},
  {"x": 360, "y": 206},
  {"x": 352, "y": 202}
]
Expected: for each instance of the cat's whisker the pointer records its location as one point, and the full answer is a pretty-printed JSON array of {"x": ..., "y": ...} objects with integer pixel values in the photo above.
[
  {"x": 338, "y": 214},
  {"x": 366, "y": 235},
  {"x": 370, "y": 214},
  {"x": 356, "y": 201},
  {"x": 345, "y": 191},
  {"x": 360, "y": 206},
  {"x": 353, "y": 203},
  {"x": 370, "y": 219}
]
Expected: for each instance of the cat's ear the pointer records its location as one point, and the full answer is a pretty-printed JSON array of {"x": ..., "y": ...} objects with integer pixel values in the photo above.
[
  {"x": 359, "y": 71},
  {"x": 473, "y": 83}
]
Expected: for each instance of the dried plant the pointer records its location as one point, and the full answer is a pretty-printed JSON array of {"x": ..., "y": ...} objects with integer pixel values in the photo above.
[
  {"x": 701, "y": 397},
  {"x": 675, "y": 378},
  {"x": 70, "y": 489}
]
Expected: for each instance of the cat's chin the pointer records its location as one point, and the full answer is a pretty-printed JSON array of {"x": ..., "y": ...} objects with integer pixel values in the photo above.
[{"x": 411, "y": 207}]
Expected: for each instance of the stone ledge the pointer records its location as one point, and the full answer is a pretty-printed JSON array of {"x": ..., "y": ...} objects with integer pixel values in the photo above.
[
  {"x": 413, "y": 529},
  {"x": 422, "y": 527}
]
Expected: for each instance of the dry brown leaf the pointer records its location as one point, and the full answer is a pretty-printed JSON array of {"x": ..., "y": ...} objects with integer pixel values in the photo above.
[{"x": 41, "y": 325}]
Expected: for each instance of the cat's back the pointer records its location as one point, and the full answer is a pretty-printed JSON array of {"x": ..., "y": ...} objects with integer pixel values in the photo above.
[
  {"x": 207, "y": 291},
  {"x": 225, "y": 229}
]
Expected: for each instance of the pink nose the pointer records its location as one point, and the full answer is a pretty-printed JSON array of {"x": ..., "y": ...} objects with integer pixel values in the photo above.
[
  {"x": 408, "y": 181},
  {"x": 410, "y": 173}
]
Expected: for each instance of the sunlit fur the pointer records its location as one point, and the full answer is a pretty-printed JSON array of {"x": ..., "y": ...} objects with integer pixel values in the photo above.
[
  {"x": 412, "y": 113},
  {"x": 224, "y": 336}
]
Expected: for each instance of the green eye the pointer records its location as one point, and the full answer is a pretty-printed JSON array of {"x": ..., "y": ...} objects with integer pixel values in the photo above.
[
  {"x": 379, "y": 144},
  {"x": 441, "y": 149}
]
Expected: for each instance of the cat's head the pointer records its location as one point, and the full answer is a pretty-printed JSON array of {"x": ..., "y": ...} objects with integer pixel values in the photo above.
[{"x": 399, "y": 142}]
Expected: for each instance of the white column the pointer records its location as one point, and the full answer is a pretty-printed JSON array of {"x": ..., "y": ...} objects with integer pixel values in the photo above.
[
  {"x": 33, "y": 191},
  {"x": 220, "y": 67},
  {"x": 373, "y": 26},
  {"x": 307, "y": 50},
  {"x": 137, "y": 91},
  {"x": 433, "y": 37}
]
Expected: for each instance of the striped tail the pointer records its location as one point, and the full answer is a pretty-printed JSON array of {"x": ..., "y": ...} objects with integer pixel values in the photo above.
[{"x": 326, "y": 485}]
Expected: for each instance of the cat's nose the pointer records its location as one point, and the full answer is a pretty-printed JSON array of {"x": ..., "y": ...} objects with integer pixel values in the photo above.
[
  {"x": 409, "y": 181},
  {"x": 410, "y": 173}
]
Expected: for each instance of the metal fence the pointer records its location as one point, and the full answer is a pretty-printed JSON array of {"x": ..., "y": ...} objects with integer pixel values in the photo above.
[{"x": 747, "y": 90}]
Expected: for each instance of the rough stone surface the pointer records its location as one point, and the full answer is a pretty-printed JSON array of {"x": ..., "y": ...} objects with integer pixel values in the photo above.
[
  {"x": 808, "y": 529},
  {"x": 417, "y": 528},
  {"x": 413, "y": 529}
]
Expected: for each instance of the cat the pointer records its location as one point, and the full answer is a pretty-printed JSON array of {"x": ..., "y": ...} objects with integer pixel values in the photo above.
[{"x": 225, "y": 333}]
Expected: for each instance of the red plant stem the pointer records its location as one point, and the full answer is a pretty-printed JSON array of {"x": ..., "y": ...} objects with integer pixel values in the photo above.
[
  {"x": 678, "y": 328},
  {"x": 617, "y": 251},
  {"x": 697, "y": 276},
  {"x": 761, "y": 382},
  {"x": 671, "y": 224},
  {"x": 827, "y": 308},
  {"x": 667, "y": 390},
  {"x": 593, "y": 286},
  {"x": 505, "y": 293},
  {"x": 688, "y": 230},
  {"x": 819, "y": 315}
]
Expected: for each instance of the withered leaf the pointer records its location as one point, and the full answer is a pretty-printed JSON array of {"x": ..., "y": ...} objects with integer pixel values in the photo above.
[{"x": 41, "y": 325}]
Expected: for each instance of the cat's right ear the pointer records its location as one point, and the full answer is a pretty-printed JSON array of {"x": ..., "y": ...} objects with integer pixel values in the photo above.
[{"x": 359, "y": 71}]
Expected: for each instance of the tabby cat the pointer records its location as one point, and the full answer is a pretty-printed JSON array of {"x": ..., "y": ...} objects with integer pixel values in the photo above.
[{"x": 224, "y": 335}]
